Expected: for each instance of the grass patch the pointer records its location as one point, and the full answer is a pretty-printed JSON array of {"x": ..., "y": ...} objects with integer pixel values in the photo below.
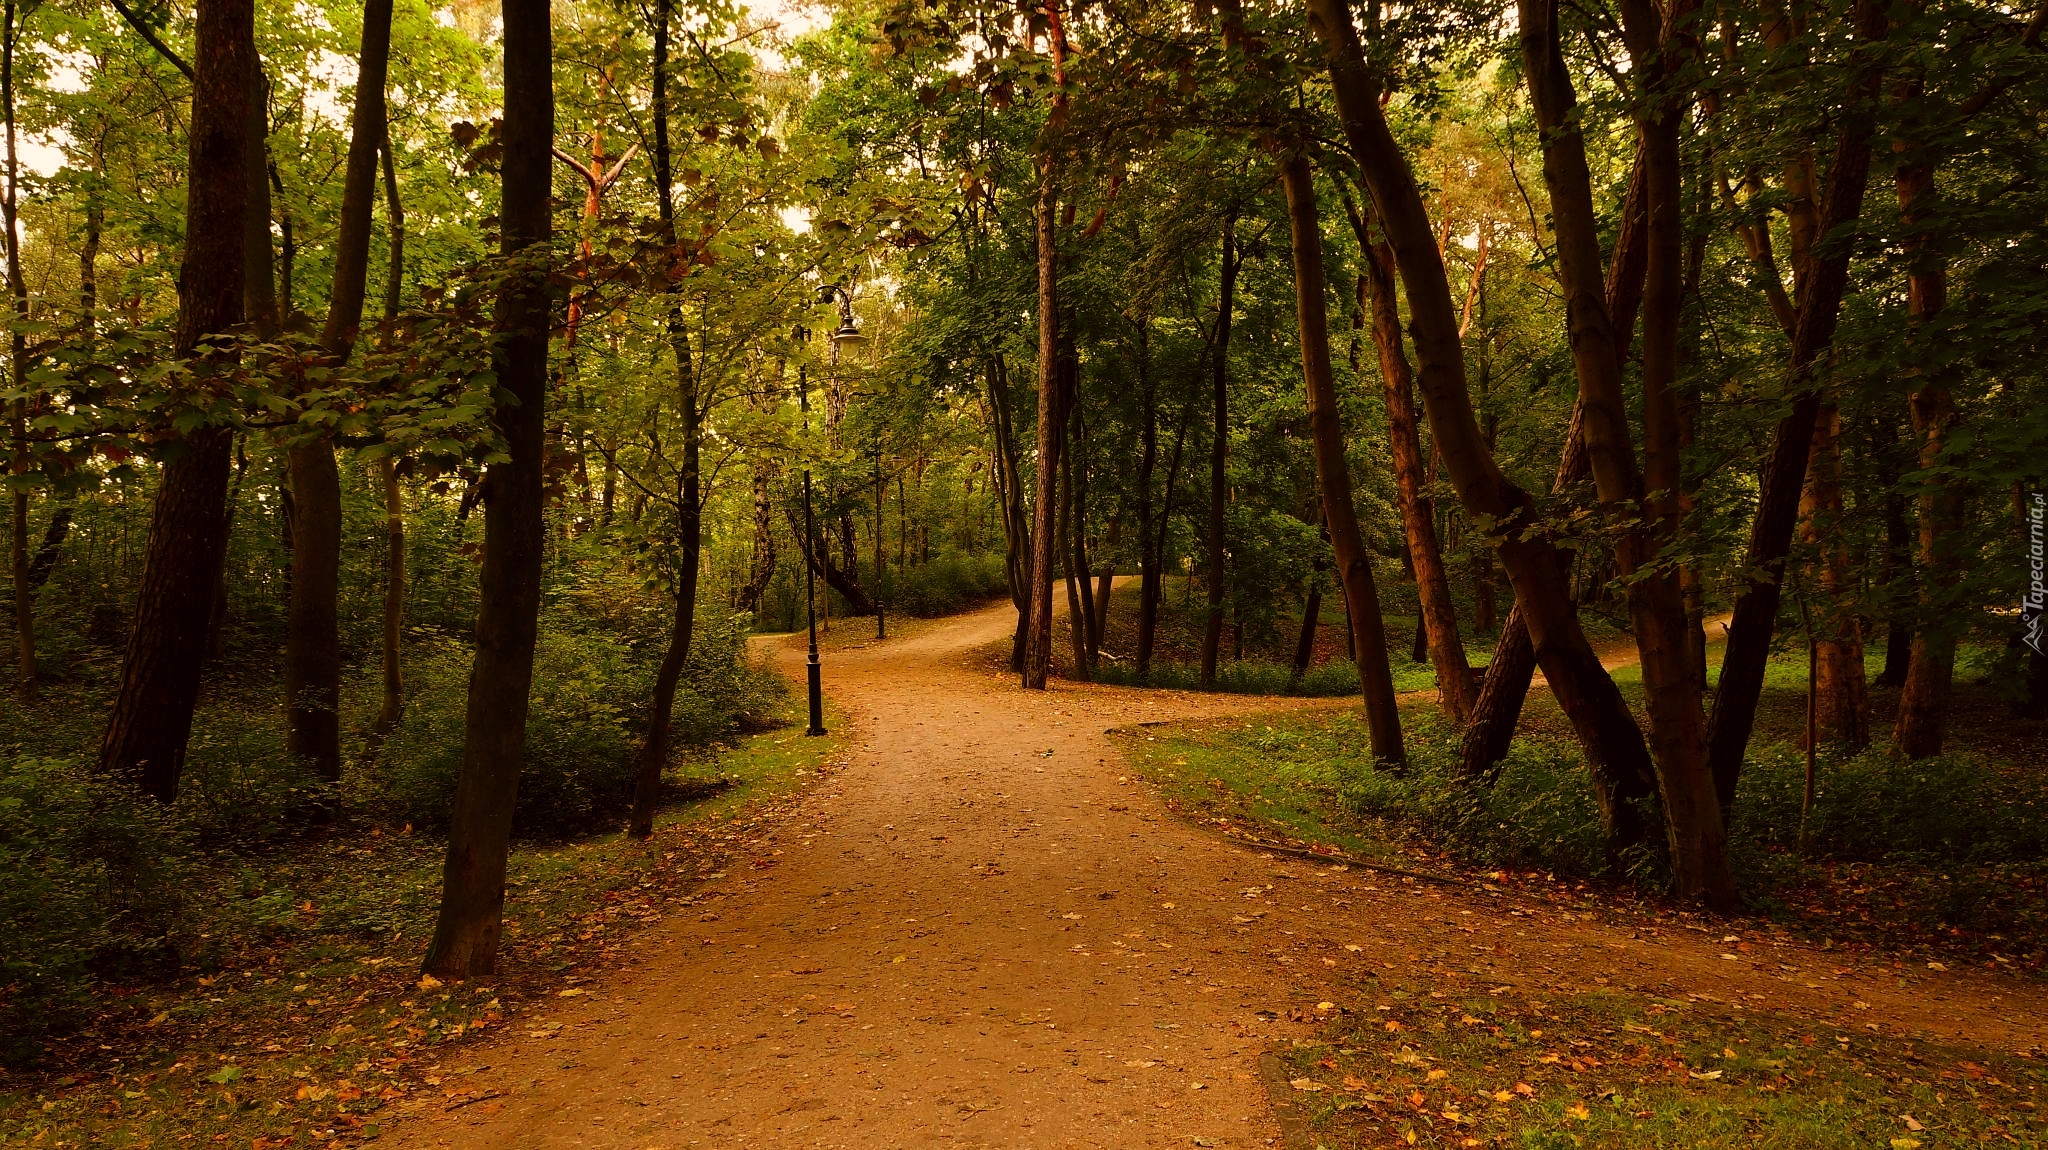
[
  {"x": 1890, "y": 857},
  {"x": 304, "y": 1014},
  {"x": 1407, "y": 1065}
]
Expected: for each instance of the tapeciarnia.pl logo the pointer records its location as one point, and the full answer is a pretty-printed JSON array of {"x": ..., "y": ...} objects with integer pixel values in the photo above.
[{"x": 2034, "y": 607}]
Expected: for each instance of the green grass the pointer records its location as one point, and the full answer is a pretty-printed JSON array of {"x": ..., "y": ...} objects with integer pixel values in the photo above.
[
  {"x": 1250, "y": 677},
  {"x": 1887, "y": 857},
  {"x": 306, "y": 1012},
  {"x": 1401, "y": 1064}
]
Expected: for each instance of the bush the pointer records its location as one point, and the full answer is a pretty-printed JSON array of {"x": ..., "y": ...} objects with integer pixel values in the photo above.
[
  {"x": 947, "y": 584},
  {"x": 1880, "y": 807},
  {"x": 578, "y": 767},
  {"x": 585, "y": 718},
  {"x": 240, "y": 786},
  {"x": 89, "y": 882}
]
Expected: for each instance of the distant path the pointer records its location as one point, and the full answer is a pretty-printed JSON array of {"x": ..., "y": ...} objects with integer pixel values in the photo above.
[{"x": 979, "y": 935}]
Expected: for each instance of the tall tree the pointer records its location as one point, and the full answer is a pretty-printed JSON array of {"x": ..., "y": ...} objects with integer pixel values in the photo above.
[
  {"x": 1822, "y": 284},
  {"x": 689, "y": 495},
  {"x": 1456, "y": 690},
  {"x": 1219, "y": 448},
  {"x": 494, "y": 728},
  {"x": 1051, "y": 415},
  {"x": 312, "y": 652},
  {"x": 1539, "y": 573},
  {"x": 1333, "y": 475},
  {"x": 160, "y": 671},
  {"x": 1643, "y": 506}
]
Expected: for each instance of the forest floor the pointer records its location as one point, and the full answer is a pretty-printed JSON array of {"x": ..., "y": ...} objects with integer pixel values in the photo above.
[{"x": 986, "y": 930}]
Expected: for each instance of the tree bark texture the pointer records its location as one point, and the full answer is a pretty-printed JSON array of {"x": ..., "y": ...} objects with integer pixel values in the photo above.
[
  {"x": 160, "y": 671},
  {"x": 1333, "y": 474},
  {"x": 494, "y": 727}
]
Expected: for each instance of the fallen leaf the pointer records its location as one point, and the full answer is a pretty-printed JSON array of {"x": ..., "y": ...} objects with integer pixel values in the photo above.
[
  {"x": 1912, "y": 1123},
  {"x": 1307, "y": 1084},
  {"x": 1578, "y": 1110}
]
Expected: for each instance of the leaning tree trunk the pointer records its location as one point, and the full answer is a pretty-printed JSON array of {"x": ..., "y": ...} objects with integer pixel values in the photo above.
[
  {"x": 1456, "y": 692},
  {"x": 152, "y": 717},
  {"x": 1538, "y": 572},
  {"x": 1508, "y": 672},
  {"x": 312, "y": 651},
  {"x": 1784, "y": 472},
  {"x": 494, "y": 728},
  {"x": 1219, "y": 452},
  {"x": 1333, "y": 475}
]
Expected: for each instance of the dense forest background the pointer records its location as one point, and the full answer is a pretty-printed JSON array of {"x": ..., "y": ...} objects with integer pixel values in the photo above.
[{"x": 412, "y": 407}]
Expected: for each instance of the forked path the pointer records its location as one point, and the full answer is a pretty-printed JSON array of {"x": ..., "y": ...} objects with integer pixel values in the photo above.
[{"x": 980, "y": 934}]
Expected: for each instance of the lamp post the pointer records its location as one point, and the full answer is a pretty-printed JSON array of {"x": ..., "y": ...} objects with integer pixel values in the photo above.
[{"x": 812, "y": 672}]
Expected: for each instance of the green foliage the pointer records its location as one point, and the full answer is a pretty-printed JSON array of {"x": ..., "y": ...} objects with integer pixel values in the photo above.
[
  {"x": 1240, "y": 677},
  {"x": 583, "y": 727},
  {"x": 90, "y": 880},
  {"x": 950, "y": 582}
]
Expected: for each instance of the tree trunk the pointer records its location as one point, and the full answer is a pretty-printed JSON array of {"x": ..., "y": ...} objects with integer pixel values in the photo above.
[
  {"x": 1841, "y": 697},
  {"x": 17, "y": 421},
  {"x": 1038, "y": 636},
  {"x": 1074, "y": 576},
  {"x": 1305, "y": 643},
  {"x": 152, "y": 716},
  {"x": 1930, "y": 667},
  {"x": 1784, "y": 472},
  {"x": 764, "y": 541},
  {"x": 1595, "y": 707},
  {"x": 393, "y": 704},
  {"x": 394, "y": 597},
  {"x": 1333, "y": 474},
  {"x": 1456, "y": 692},
  {"x": 312, "y": 654},
  {"x": 689, "y": 481},
  {"x": 1499, "y": 709},
  {"x": 494, "y": 728},
  {"x": 1219, "y": 450}
]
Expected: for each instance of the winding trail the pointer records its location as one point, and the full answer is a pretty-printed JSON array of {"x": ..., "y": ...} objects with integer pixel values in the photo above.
[{"x": 979, "y": 933}]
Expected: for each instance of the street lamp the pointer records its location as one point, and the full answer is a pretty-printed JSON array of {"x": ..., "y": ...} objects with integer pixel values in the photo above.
[{"x": 812, "y": 672}]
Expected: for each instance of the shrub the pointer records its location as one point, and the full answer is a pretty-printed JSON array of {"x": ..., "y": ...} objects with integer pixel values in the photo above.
[
  {"x": 89, "y": 882},
  {"x": 578, "y": 766},
  {"x": 240, "y": 786},
  {"x": 585, "y": 717},
  {"x": 950, "y": 582}
]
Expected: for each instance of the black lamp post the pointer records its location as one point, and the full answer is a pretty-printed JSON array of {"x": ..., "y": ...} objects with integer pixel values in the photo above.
[{"x": 812, "y": 672}]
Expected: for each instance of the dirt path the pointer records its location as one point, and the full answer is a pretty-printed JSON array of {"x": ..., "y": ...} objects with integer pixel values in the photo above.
[{"x": 980, "y": 933}]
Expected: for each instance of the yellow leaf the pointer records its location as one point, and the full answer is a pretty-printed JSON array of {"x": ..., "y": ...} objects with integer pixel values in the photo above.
[
  {"x": 1578, "y": 1110},
  {"x": 427, "y": 982}
]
